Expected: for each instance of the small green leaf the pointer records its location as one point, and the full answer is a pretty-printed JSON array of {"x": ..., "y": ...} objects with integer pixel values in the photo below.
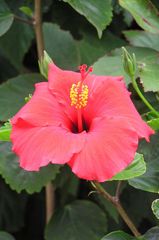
[
  {"x": 155, "y": 208},
  {"x": 118, "y": 235},
  {"x": 78, "y": 220},
  {"x": 154, "y": 123},
  {"x": 5, "y": 132},
  {"x": 144, "y": 12},
  {"x": 6, "y": 236},
  {"x": 19, "y": 179},
  {"x": 27, "y": 11},
  {"x": 98, "y": 13},
  {"x": 135, "y": 169},
  {"x": 6, "y": 20}
]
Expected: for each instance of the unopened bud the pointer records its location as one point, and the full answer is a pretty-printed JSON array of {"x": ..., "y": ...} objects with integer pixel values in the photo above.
[
  {"x": 129, "y": 62},
  {"x": 43, "y": 64}
]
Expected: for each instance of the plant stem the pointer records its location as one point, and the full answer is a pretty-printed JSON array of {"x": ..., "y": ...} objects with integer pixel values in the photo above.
[
  {"x": 38, "y": 28},
  {"x": 116, "y": 202},
  {"x": 134, "y": 83},
  {"x": 23, "y": 20},
  {"x": 50, "y": 196},
  {"x": 49, "y": 190}
]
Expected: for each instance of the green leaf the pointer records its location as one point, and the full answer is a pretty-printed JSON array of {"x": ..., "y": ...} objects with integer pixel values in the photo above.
[
  {"x": 12, "y": 209},
  {"x": 78, "y": 220},
  {"x": 5, "y": 132},
  {"x": 152, "y": 234},
  {"x": 61, "y": 46},
  {"x": 155, "y": 208},
  {"x": 16, "y": 42},
  {"x": 118, "y": 235},
  {"x": 6, "y": 236},
  {"x": 6, "y": 20},
  {"x": 142, "y": 39},
  {"x": 91, "y": 47},
  {"x": 19, "y": 179},
  {"x": 150, "y": 180},
  {"x": 154, "y": 123},
  {"x": 148, "y": 66},
  {"x": 27, "y": 11},
  {"x": 144, "y": 12},
  {"x": 13, "y": 93},
  {"x": 110, "y": 65},
  {"x": 135, "y": 169},
  {"x": 98, "y": 13}
]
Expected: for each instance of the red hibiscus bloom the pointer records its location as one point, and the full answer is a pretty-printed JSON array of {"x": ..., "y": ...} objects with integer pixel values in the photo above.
[{"x": 84, "y": 120}]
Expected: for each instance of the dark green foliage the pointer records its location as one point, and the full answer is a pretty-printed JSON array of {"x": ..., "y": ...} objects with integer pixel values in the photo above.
[{"x": 77, "y": 32}]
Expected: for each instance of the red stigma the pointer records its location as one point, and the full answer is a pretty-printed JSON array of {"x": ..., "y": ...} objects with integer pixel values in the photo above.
[{"x": 85, "y": 72}]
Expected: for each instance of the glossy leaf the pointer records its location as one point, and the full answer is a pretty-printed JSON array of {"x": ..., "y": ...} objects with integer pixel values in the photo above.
[
  {"x": 144, "y": 12},
  {"x": 98, "y": 13},
  {"x": 19, "y": 179},
  {"x": 6, "y": 236},
  {"x": 110, "y": 65},
  {"x": 13, "y": 93},
  {"x": 155, "y": 208},
  {"x": 152, "y": 234},
  {"x": 6, "y": 20},
  {"x": 60, "y": 46},
  {"x": 78, "y": 220},
  {"x": 92, "y": 48},
  {"x": 12, "y": 208},
  {"x": 118, "y": 235},
  {"x": 150, "y": 180},
  {"x": 135, "y": 169},
  {"x": 142, "y": 39},
  {"x": 16, "y": 42}
]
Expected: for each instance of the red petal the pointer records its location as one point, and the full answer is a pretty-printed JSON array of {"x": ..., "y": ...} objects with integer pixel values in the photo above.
[
  {"x": 43, "y": 109},
  {"x": 112, "y": 99},
  {"x": 39, "y": 146},
  {"x": 110, "y": 146},
  {"x": 60, "y": 82}
]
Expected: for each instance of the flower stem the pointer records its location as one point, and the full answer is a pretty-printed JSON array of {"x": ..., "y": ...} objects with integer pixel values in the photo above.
[
  {"x": 49, "y": 190},
  {"x": 116, "y": 202},
  {"x": 134, "y": 83}
]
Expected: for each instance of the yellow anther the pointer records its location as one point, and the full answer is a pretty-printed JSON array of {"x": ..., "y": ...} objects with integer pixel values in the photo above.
[{"x": 79, "y": 95}]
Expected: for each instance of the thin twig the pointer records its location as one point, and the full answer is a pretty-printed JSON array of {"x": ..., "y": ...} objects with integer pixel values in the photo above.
[
  {"x": 50, "y": 198},
  {"x": 118, "y": 206},
  {"x": 24, "y": 20}
]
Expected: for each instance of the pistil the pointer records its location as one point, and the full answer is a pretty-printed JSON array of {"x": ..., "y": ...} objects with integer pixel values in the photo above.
[{"x": 79, "y": 95}]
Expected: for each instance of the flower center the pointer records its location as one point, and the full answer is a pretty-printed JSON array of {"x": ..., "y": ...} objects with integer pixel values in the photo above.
[{"x": 79, "y": 95}]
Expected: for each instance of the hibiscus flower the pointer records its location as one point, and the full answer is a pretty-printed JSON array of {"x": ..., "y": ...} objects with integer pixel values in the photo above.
[{"x": 84, "y": 120}]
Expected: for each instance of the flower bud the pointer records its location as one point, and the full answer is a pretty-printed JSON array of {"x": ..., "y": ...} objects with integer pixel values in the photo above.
[
  {"x": 43, "y": 64},
  {"x": 129, "y": 62}
]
